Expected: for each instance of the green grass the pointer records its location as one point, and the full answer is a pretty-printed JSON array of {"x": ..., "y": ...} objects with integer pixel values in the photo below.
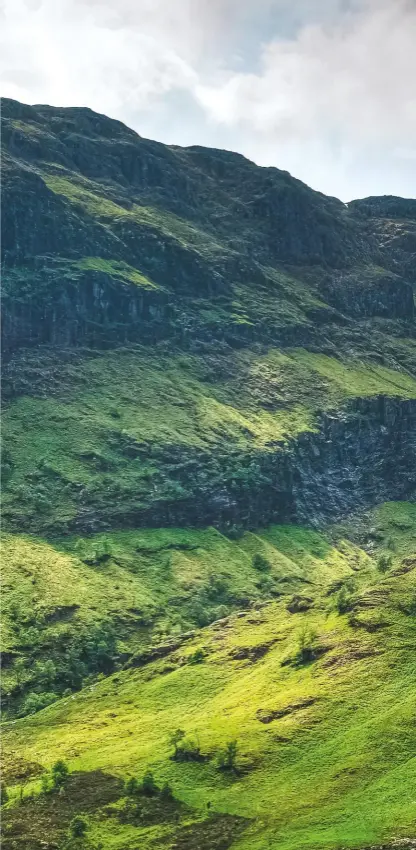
[
  {"x": 335, "y": 769},
  {"x": 113, "y": 438},
  {"x": 95, "y": 200},
  {"x": 116, "y": 269},
  {"x": 149, "y": 586}
]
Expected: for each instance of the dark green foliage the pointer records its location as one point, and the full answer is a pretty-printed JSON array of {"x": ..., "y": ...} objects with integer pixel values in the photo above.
[
  {"x": 261, "y": 563},
  {"x": 35, "y": 702},
  {"x": 188, "y": 750},
  {"x": 197, "y": 656},
  {"x": 228, "y": 757},
  {"x": 78, "y": 827},
  {"x": 307, "y": 646},
  {"x": 344, "y": 600},
  {"x": 4, "y": 795},
  {"x": 59, "y": 774},
  {"x": 166, "y": 792},
  {"x": 384, "y": 563},
  {"x": 132, "y": 786},
  {"x": 267, "y": 585},
  {"x": 235, "y": 532},
  {"x": 148, "y": 785},
  {"x": 45, "y": 783},
  {"x": 175, "y": 739},
  {"x": 42, "y": 682}
]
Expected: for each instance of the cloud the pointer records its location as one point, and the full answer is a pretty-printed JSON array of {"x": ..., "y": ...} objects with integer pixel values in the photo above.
[{"x": 324, "y": 88}]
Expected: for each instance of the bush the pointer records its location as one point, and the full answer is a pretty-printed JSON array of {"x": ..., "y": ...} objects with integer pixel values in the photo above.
[
  {"x": 199, "y": 614},
  {"x": 175, "y": 739},
  {"x": 227, "y": 758},
  {"x": 4, "y": 795},
  {"x": 187, "y": 750},
  {"x": 45, "y": 784},
  {"x": 35, "y": 702},
  {"x": 197, "y": 656},
  {"x": 132, "y": 787},
  {"x": 235, "y": 532},
  {"x": 261, "y": 564},
  {"x": 344, "y": 601},
  {"x": 307, "y": 646},
  {"x": 384, "y": 563},
  {"x": 60, "y": 772},
  {"x": 78, "y": 827},
  {"x": 166, "y": 791},
  {"x": 267, "y": 585},
  {"x": 148, "y": 785}
]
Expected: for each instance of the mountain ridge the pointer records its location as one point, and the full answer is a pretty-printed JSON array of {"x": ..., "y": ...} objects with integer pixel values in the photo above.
[{"x": 209, "y": 474}]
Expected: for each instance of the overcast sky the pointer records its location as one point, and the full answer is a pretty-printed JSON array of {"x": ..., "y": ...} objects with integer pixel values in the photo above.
[{"x": 325, "y": 89}]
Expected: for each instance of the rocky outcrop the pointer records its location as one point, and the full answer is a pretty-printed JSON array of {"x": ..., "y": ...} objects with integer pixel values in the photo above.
[{"x": 355, "y": 460}]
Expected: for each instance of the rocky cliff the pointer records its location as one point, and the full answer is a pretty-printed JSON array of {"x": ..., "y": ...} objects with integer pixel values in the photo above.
[{"x": 286, "y": 319}]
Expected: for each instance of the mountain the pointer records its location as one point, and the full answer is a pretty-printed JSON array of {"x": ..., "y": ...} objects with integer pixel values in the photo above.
[{"x": 209, "y": 472}]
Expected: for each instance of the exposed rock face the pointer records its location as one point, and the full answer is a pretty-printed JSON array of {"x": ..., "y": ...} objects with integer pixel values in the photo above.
[
  {"x": 366, "y": 456},
  {"x": 109, "y": 239},
  {"x": 196, "y": 221}
]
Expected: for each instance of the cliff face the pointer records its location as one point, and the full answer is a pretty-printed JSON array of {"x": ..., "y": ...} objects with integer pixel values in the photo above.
[{"x": 112, "y": 242}]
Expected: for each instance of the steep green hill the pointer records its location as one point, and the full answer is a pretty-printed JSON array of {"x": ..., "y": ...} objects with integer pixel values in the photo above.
[{"x": 208, "y": 467}]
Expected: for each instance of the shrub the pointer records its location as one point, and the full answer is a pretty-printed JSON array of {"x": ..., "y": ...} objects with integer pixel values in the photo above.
[
  {"x": 235, "y": 532},
  {"x": 307, "y": 646},
  {"x": 187, "y": 750},
  {"x": 199, "y": 614},
  {"x": 197, "y": 656},
  {"x": 176, "y": 737},
  {"x": 35, "y": 702},
  {"x": 4, "y": 795},
  {"x": 60, "y": 771},
  {"x": 166, "y": 791},
  {"x": 78, "y": 827},
  {"x": 148, "y": 785},
  {"x": 344, "y": 601},
  {"x": 227, "y": 758},
  {"x": 45, "y": 784},
  {"x": 384, "y": 563},
  {"x": 267, "y": 584},
  {"x": 261, "y": 563},
  {"x": 132, "y": 787}
]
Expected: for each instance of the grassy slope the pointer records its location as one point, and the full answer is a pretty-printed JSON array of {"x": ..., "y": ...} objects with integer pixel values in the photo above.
[
  {"x": 149, "y": 585},
  {"x": 91, "y": 446},
  {"x": 100, "y": 436},
  {"x": 337, "y": 772}
]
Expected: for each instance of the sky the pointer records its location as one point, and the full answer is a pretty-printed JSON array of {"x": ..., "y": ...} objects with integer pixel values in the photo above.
[{"x": 325, "y": 89}]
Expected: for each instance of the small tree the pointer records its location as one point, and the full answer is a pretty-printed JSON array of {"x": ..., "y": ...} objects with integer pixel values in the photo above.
[
  {"x": 45, "y": 784},
  {"x": 132, "y": 787},
  {"x": 4, "y": 795},
  {"x": 227, "y": 758},
  {"x": 78, "y": 827},
  {"x": 306, "y": 645},
  {"x": 344, "y": 601},
  {"x": 261, "y": 563},
  {"x": 149, "y": 786},
  {"x": 175, "y": 739},
  {"x": 384, "y": 563},
  {"x": 166, "y": 791},
  {"x": 60, "y": 771},
  {"x": 197, "y": 657}
]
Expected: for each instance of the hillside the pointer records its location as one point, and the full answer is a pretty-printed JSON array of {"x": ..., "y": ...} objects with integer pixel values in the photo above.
[{"x": 208, "y": 482}]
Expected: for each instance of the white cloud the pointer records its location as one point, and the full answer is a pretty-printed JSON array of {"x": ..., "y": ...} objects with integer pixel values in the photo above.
[{"x": 324, "y": 88}]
